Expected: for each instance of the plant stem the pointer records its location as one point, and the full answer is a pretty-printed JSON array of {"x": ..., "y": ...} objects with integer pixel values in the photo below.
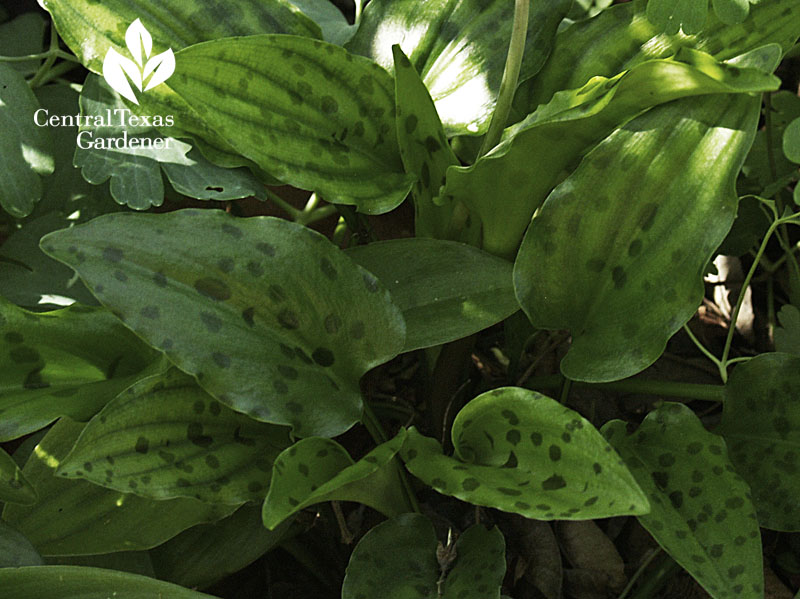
[
  {"x": 639, "y": 572},
  {"x": 634, "y": 385},
  {"x": 59, "y": 53},
  {"x": 665, "y": 568},
  {"x": 508, "y": 84},
  {"x": 700, "y": 346},
  {"x": 282, "y": 204},
  {"x": 57, "y": 71},
  {"x": 49, "y": 61}
]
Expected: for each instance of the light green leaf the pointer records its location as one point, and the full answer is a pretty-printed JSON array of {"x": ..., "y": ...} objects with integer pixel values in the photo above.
[
  {"x": 16, "y": 550},
  {"x": 90, "y": 28},
  {"x": 519, "y": 451},
  {"x": 14, "y": 487},
  {"x": 25, "y": 148},
  {"x": 621, "y": 37},
  {"x": 331, "y": 20},
  {"x": 397, "y": 560},
  {"x": 536, "y": 153},
  {"x": 168, "y": 438},
  {"x": 20, "y": 37},
  {"x": 271, "y": 318},
  {"x": 207, "y": 553},
  {"x": 308, "y": 112},
  {"x": 315, "y": 470},
  {"x": 66, "y": 362},
  {"x": 136, "y": 179},
  {"x": 787, "y": 335},
  {"x": 77, "y": 582},
  {"x": 446, "y": 290},
  {"x": 791, "y": 141},
  {"x": 701, "y": 512},
  {"x": 761, "y": 423},
  {"x": 459, "y": 49},
  {"x": 645, "y": 202},
  {"x": 690, "y": 15},
  {"x": 74, "y": 517}
]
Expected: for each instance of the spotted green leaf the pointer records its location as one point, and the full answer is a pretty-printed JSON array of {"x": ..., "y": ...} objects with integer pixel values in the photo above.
[
  {"x": 536, "y": 153},
  {"x": 206, "y": 553},
  {"x": 424, "y": 149},
  {"x": 690, "y": 15},
  {"x": 397, "y": 560},
  {"x": 315, "y": 470},
  {"x": 169, "y": 438},
  {"x": 25, "y": 149},
  {"x": 272, "y": 319},
  {"x": 67, "y": 362},
  {"x": 701, "y": 512},
  {"x": 16, "y": 550},
  {"x": 90, "y": 28},
  {"x": 446, "y": 290},
  {"x": 519, "y": 451},
  {"x": 761, "y": 424},
  {"x": 78, "y": 582},
  {"x": 617, "y": 252},
  {"x": 75, "y": 517},
  {"x": 308, "y": 112},
  {"x": 787, "y": 336},
  {"x": 622, "y": 37},
  {"x": 136, "y": 173},
  {"x": 14, "y": 487},
  {"x": 459, "y": 49}
]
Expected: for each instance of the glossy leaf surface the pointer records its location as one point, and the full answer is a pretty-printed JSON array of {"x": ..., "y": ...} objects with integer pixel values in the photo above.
[
  {"x": 375, "y": 569},
  {"x": 169, "y": 438},
  {"x": 308, "y": 112},
  {"x": 646, "y": 201},
  {"x": 701, "y": 512},
  {"x": 761, "y": 424},
  {"x": 519, "y": 451},
  {"x": 446, "y": 290},
  {"x": 314, "y": 470},
  {"x": 272, "y": 318},
  {"x": 67, "y": 362},
  {"x": 76, "y": 582},
  {"x": 74, "y": 517},
  {"x": 459, "y": 49}
]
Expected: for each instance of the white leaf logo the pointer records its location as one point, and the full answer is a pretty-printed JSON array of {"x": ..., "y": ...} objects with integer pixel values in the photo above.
[{"x": 143, "y": 71}]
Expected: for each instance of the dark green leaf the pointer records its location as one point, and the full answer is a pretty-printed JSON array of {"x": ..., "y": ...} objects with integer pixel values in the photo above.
[
  {"x": 617, "y": 252},
  {"x": 68, "y": 362},
  {"x": 74, "y": 517},
  {"x": 519, "y": 451},
  {"x": 787, "y": 335},
  {"x": 690, "y": 15},
  {"x": 20, "y": 37},
  {"x": 315, "y": 470},
  {"x": 134, "y": 562},
  {"x": 397, "y": 560},
  {"x": 16, "y": 550},
  {"x": 76, "y": 582},
  {"x": 701, "y": 512},
  {"x": 272, "y": 318},
  {"x": 308, "y": 112},
  {"x": 169, "y": 438},
  {"x": 25, "y": 149},
  {"x": 14, "y": 487},
  {"x": 206, "y": 553},
  {"x": 446, "y": 290},
  {"x": 761, "y": 423},
  {"x": 334, "y": 25},
  {"x": 459, "y": 49}
]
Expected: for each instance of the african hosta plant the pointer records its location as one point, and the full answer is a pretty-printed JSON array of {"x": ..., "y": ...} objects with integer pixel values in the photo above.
[{"x": 191, "y": 390}]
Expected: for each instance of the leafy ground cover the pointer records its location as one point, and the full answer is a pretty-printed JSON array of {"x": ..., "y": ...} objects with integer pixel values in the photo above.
[{"x": 455, "y": 298}]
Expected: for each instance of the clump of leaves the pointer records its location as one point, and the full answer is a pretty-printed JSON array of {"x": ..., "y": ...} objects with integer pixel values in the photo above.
[{"x": 256, "y": 383}]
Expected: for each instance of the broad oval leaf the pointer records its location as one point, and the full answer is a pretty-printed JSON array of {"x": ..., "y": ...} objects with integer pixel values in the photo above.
[
  {"x": 459, "y": 49},
  {"x": 16, "y": 550},
  {"x": 446, "y": 290},
  {"x": 761, "y": 424},
  {"x": 376, "y": 571},
  {"x": 74, "y": 517},
  {"x": 701, "y": 512},
  {"x": 791, "y": 141},
  {"x": 519, "y": 451},
  {"x": 14, "y": 487},
  {"x": 168, "y": 438},
  {"x": 67, "y": 362},
  {"x": 307, "y": 112},
  {"x": 617, "y": 252},
  {"x": 78, "y": 582},
  {"x": 271, "y": 318},
  {"x": 314, "y": 470}
]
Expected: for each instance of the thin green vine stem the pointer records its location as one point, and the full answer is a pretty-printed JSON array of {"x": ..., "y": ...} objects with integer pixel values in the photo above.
[
  {"x": 637, "y": 385},
  {"x": 508, "y": 84},
  {"x": 282, "y": 204},
  {"x": 40, "y": 75},
  {"x": 700, "y": 345},
  {"x": 58, "y": 52},
  {"x": 653, "y": 554}
]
